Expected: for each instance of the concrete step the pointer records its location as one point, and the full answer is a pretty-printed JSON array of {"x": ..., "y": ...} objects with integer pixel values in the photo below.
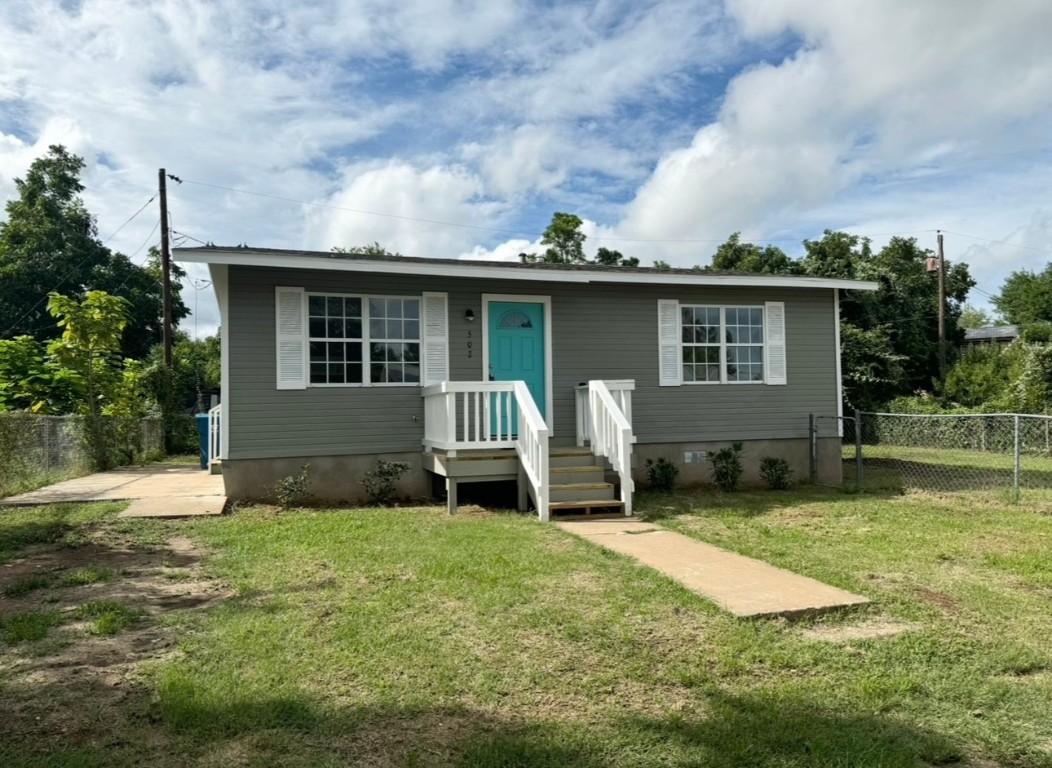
[
  {"x": 582, "y": 474},
  {"x": 580, "y": 492}
]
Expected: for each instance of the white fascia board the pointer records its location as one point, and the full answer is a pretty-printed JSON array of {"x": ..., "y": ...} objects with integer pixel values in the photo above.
[{"x": 483, "y": 270}]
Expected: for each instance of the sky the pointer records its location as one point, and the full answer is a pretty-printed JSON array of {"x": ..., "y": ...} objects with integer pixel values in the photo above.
[{"x": 456, "y": 128}]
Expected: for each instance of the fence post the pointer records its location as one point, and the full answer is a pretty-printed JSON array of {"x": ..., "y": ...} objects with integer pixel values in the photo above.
[
  {"x": 812, "y": 431},
  {"x": 1015, "y": 477},
  {"x": 858, "y": 451}
]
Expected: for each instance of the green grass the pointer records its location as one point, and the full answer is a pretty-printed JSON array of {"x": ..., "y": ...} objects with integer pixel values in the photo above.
[
  {"x": 32, "y": 583},
  {"x": 21, "y": 527},
  {"x": 107, "y": 617},
  {"x": 81, "y": 577},
  {"x": 406, "y": 637},
  {"x": 27, "y": 627}
]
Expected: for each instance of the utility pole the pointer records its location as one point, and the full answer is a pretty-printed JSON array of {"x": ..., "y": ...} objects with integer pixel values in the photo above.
[
  {"x": 166, "y": 271},
  {"x": 942, "y": 309}
]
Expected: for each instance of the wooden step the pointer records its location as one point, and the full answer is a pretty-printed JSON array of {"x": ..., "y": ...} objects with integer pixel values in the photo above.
[
  {"x": 588, "y": 507},
  {"x": 581, "y": 474},
  {"x": 570, "y": 457},
  {"x": 580, "y": 491}
]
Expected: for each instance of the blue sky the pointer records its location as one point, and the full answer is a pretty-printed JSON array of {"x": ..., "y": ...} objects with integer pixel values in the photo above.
[{"x": 455, "y": 128}]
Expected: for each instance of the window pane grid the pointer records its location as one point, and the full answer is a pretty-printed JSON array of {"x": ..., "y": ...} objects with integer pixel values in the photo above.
[
  {"x": 337, "y": 327},
  {"x": 722, "y": 344}
]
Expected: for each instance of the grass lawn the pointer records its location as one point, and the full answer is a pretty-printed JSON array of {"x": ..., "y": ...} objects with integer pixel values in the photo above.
[{"x": 408, "y": 638}]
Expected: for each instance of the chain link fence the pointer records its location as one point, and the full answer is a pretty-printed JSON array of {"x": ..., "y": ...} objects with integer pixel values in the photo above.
[
  {"x": 37, "y": 450},
  {"x": 1005, "y": 453}
]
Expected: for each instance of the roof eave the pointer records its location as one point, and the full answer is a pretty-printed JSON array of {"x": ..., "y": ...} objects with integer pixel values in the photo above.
[{"x": 499, "y": 271}]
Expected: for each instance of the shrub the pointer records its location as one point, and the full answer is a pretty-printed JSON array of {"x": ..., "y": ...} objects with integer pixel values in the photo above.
[
  {"x": 727, "y": 467},
  {"x": 776, "y": 472},
  {"x": 292, "y": 490},
  {"x": 661, "y": 475},
  {"x": 379, "y": 482}
]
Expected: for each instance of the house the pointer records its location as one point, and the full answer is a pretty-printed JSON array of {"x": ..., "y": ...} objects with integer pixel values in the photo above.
[
  {"x": 1002, "y": 335},
  {"x": 567, "y": 378}
]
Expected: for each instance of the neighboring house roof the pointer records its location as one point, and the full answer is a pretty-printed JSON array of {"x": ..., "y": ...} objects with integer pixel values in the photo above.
[
  {"x": 502, "y": 270},
  {"x": 992, "y": 333}
]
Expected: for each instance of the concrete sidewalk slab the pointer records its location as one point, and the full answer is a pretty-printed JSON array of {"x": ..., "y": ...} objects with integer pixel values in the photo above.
[
  {"x": 743, "y": 586},
  {"x": 175, "y": 506},
  {"x": 157, "y": 490}
]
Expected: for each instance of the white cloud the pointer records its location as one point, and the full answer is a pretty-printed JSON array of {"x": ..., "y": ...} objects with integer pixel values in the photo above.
[
  {"x": 890, "y": 88},
  {"x": 419, "y": 207}
]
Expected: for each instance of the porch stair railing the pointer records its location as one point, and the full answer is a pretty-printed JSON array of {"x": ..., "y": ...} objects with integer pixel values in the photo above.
[
  {"x": 608, "y": 430},
  {"x": 215, "y": 434},
  {"x": 469, "y": 415}
]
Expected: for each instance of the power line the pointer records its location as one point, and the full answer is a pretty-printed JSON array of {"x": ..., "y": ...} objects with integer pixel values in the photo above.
[{"x": 1000, "y": 242}]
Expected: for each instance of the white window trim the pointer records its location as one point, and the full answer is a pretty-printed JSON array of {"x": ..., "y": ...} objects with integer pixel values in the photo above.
[
  {"x": 723, "y": 343},
  {"x": 365, "y": 341}
]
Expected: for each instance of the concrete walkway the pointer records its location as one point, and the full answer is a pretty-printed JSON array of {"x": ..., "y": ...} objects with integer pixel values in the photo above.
[
  {"x": 747, "y": 588},
  {"x": 156, "y": 490}
]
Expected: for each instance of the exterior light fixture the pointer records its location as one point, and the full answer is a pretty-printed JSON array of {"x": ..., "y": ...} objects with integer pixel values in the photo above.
[{"x": 469, "y": 316}]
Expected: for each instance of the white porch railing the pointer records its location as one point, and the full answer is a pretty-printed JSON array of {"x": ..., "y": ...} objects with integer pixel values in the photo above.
[
  {"x": 215, "y": 433},
  {"x": 620, "y": 390},
  {"x": 472, "y": 415},
  {"x": 610, "y": 430}
]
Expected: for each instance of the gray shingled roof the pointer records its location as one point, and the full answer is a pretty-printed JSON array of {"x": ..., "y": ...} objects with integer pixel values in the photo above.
[{"x": 991, "y": 333}]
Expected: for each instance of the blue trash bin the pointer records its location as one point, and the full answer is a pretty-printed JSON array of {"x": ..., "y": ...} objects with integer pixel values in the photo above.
[{"x": 202, "y": 438}]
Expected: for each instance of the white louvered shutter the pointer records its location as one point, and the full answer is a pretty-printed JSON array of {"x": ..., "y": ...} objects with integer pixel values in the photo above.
[
  {"x": 292, "y": 338},
  {"x": 435, "y": 342},
  {"x": 774, "y": 316},
  {"x": 670, "y": 359}
]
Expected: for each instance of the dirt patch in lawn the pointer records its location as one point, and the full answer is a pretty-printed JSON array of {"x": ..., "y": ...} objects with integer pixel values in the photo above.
[
  {"x": 865, "y": 630},
  {"x": 105, "y": 605}
]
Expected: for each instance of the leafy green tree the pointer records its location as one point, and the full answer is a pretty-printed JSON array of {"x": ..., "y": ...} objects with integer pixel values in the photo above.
[
  {"x": 974, "y": 317},
  {"x": 736, "y": 256},
  {"x": 612, "y": 258},
  {"x": 564, "y": 239},
  {"x": 1026, "y": 297},
  {"x": 981, "y": 377},
  {"x": 871, "y": 368},
  {"x": 90, "y": 349},
  {"x": 372, "y": 249},
  {"x": 31, "y": 380},
  {"x": 50, "y": 241}
]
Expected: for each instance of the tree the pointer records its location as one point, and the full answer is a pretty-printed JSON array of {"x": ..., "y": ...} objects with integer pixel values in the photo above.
[
  {"x": 30, "y": 380},
  {"x": 974, "y": 317},
  {"x": 611, "y": 258},
  {"x": 889, "y": 338},
  {"x": 564, "y": 239},
  {"x": 141, "y": 286},
  {"x": 736, "y": 256},
  {"x": 1026, "y": 297},
  {"x": 50, "y": 241},
  {"x": 90, "y": 349},
  {"x": 372, "y": 249}
]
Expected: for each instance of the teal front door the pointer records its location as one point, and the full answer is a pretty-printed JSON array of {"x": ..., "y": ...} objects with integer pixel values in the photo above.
[{"x": 516, "y": 350}]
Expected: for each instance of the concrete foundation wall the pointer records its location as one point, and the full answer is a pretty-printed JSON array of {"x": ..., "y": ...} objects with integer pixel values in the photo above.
[
  {"x": 795, "y": 451},
  {"x": 339, "y": 478},
  {"x": 332, "y": 478}
]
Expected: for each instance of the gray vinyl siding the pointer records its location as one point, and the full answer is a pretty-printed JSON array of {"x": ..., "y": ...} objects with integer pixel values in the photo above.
[{"x": 598, "y": 332}]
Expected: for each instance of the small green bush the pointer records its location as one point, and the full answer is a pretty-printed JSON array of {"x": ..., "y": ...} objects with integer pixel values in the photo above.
[
  {"x": 776, "y": 472},
  {"x": 380, "y": 482},
  {"x": 661, "y": 475},
  {"x": 292, "y": 490},
  {"x": 727, "y": 467}
]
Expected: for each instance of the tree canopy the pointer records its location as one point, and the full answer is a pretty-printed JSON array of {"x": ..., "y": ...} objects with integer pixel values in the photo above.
[
  {"x": 889, "y": 337},
  {"x": 1026, "y": 297},
  {"x": 49, "y": 241}
]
